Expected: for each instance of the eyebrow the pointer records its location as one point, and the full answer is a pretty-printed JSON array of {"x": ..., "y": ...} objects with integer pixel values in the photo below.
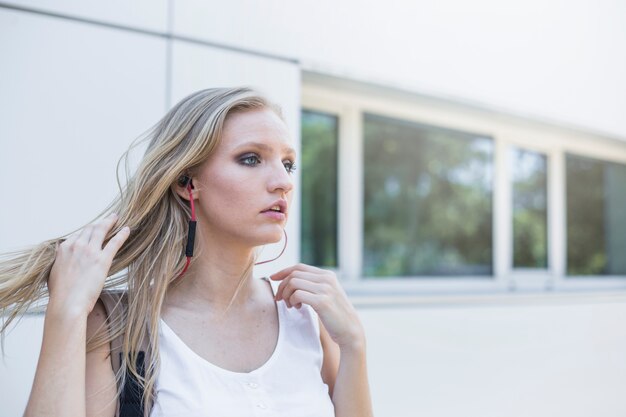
[{"x": 286, "y": 149}]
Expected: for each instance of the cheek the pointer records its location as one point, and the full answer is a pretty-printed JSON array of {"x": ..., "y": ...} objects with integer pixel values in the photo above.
[{"x": 229, "y": 195}]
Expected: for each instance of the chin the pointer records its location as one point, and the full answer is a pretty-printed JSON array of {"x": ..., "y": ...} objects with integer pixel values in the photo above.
[
  {"x": 277, "y": 237},
  {"x": 273, "y": 237},
  {"x": 266, "y": 237}
]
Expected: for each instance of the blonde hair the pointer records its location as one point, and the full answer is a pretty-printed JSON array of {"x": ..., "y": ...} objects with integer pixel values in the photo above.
[{"x": 153, "y": 255}]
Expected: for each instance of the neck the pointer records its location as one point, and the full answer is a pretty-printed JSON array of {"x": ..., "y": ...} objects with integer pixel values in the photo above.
[{"x": 215, "y": 272}]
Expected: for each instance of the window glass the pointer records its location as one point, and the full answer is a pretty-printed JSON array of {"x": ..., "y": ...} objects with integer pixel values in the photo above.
[
  {"x": 596, "y": 217},
  {"x": 318, "y": 165},
  {"x": 427, "y": 200},
  {"x": 530, "y": 209}
]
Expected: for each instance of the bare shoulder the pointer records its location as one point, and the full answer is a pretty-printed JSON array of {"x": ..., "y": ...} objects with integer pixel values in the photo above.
[
  {"x": 100, "y": 385},
  {"x": 330, "y": 365},
  {"x": 97, "y": 320}
]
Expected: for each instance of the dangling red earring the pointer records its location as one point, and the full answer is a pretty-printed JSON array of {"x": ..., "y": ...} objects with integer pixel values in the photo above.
[{"x": 281, "y": 252}]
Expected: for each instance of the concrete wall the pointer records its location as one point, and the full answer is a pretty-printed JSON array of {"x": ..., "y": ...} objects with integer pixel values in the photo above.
[{"x": 554, "y": 60}]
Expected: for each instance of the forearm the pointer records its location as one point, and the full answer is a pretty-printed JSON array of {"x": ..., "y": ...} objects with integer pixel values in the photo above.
[
  {"x": 351, "y": 394},
  {"x": 59, "y": 385}
]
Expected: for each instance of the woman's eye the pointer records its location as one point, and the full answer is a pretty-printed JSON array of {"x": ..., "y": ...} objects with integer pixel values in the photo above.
[
  {"x": 250, "y": 160},
  {"x": 253, "y": 160},
  {"x": 290, "y": 166}
]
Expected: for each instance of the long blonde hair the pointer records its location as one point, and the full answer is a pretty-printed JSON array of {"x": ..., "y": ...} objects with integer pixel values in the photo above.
[{"x": 153, "y": 255}]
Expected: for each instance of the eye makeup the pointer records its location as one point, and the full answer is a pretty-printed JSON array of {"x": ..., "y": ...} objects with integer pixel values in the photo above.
[{"x": 252, "y": 159}]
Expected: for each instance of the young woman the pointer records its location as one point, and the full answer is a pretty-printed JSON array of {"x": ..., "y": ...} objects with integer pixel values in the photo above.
[{"x": 198, "y": 336}]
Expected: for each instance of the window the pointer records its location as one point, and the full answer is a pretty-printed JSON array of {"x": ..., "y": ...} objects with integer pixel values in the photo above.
[
  {"x": 418, "y": 195},
  {"x": 319, "y": 189},
  {"x": 427, "y": 200},
  {"x": 596, "y": 217},
  {"x": 530, "y": 215}
]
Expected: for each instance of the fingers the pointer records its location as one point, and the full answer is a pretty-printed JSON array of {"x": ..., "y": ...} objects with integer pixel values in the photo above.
[
  {"x": 92, "y": 236},
  {"x": 83, "y": 238},
  {"x": 298, "y": 267},
  {"x": 72, "y": 238},
  {"x": 295, "y": 284},
  {"x": 100, "y": 230},
  {"x": 296, "y": 274},
  {"x": 301, "y": 296},
  {"x": 115, "y": 244}
]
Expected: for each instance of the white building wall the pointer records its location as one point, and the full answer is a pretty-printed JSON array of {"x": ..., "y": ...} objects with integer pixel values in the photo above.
[
  {"x": 148, "y": 15},
  {"x": 503, "y": 358},
  {"x": 73, "y": 97},
  {"x": 554, "y": 60},
  {"x": 74, "y": 94}
]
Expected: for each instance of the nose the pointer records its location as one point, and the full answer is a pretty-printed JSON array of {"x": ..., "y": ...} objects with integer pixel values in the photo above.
[{"x": 280, "y": 179}]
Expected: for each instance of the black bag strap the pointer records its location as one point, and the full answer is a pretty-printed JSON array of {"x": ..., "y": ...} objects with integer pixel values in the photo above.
[{"x": 130, "y": 403}]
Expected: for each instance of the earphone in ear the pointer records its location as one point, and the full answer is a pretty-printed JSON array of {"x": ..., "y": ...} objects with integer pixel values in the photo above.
[{"x": 184, "y": 180}]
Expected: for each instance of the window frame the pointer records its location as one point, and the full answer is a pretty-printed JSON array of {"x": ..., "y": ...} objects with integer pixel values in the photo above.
[
  {"x": 350, "y": 100},
  {"x": 524, "y": 271}
]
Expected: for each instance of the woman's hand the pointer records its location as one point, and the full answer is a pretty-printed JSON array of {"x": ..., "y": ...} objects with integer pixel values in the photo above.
[
  {"x": 320, "y": 289},
  {"x": 82, "y": 265}
]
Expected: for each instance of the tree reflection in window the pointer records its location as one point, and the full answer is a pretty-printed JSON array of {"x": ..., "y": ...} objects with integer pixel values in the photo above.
[
  {"x": 596, "y": 217},
  {"x": 530, "y": 192},
  {"x": 427, "y": 200},
  {"x": 318, "y": 163}
]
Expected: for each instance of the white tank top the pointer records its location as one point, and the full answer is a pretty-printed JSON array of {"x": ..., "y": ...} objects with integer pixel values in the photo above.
[{"x": 289, "y": 384}]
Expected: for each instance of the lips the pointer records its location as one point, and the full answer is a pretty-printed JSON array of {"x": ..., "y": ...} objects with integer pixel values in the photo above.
[{"x": 279, "y": 206}]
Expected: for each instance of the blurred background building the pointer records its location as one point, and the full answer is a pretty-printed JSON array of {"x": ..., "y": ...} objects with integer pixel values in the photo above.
[{"x": 462, "y": 167}]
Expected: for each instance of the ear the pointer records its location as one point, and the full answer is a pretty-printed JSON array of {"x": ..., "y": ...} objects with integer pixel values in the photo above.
[{"x": 180, "y": 188}]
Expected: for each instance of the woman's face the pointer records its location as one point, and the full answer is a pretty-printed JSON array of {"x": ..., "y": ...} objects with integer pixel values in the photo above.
[{"x": 248, "y": 173}]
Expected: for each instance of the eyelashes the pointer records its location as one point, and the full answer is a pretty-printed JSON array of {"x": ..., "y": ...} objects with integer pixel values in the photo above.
[
  {"x": 290, "y": 167},
  {"x": 250, "y": 160},
  {"x": 253, "y": 160}
]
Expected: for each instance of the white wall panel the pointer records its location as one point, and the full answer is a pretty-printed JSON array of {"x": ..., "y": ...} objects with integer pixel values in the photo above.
[
  {"x": 73, "y": 98},
  {"x": 140, "y": 14},
  {"x": 17, "y": 368},
  {"x": 494, "y": 361},
  {"x": 195, "y": 67},
  {"x": 552, "y": 60}
]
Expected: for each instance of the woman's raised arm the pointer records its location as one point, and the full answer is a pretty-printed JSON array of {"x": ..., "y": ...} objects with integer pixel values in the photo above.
[{"x": 68, "y": 381}]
